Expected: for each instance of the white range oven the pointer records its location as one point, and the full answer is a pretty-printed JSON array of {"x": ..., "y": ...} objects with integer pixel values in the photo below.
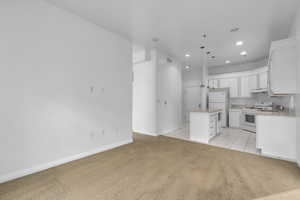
[{"x": 248, "y": 120}]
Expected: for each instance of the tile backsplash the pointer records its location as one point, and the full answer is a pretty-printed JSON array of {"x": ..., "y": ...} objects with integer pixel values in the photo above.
[{"x": 262, "y": 97}]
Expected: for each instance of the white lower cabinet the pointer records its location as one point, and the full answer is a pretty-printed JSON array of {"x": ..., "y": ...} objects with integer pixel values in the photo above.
[
  {"x": 213, "y": 125},
  {"x": 234, "y": 118},
  {"x": 204, "y": 126},
  {"x": 222, "y": 107},
  {"x": 276, "y": 136}
]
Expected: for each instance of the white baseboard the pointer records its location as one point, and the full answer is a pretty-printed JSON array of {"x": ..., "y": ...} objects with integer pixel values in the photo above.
[
  {"x": 35, "y": 169},
  {"x": 146, "y": 133},
  {"x": 169, "y": 131},
  {"x": 278, "y": 157}
]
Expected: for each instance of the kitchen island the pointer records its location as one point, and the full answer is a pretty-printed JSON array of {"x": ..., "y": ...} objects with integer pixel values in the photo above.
[{"x": 204, "y": 125}]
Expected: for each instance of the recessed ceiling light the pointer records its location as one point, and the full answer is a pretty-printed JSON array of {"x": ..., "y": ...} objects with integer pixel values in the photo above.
[
  {"x": 243, "y": 53},
  {"x": 227, "y": 61},
  {"x": 239, "y": 43},
  {"x": 187, "y": 55},
  {"x": 187, "y": 67}
]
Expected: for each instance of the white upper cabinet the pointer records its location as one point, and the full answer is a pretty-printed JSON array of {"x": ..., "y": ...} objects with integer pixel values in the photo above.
[
  {"x": 245, "y": 91},
  {"x": 232, "y": 84},
  {"x": 241, "y": 84},
  {"x": 252, "y": 82},
  {"x": 213, "y": 83},
  {"x": 263, "y": 80},
  {"x": 283, "y": 67},
  {"x": 248, "y": 83}
]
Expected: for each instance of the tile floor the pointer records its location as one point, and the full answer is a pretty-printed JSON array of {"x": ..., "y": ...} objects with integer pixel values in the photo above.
[
  {"x": 182, "y": 133},
  {"x": 235, "y": 139}
]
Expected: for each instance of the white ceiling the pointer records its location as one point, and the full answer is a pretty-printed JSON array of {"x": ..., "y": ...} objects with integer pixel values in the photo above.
[{"x": 179, "y": 24}]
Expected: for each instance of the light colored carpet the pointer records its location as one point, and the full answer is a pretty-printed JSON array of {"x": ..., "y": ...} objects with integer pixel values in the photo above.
[
  {"x": 159, "y": 168},
  {"x": 290, "y": 195}
]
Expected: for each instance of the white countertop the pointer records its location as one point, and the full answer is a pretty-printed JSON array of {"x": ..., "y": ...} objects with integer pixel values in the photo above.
[
  {"x": 237, "y": 107},
  {"x": 206, "y": 111},
  {"x": 279, "y": 114}
]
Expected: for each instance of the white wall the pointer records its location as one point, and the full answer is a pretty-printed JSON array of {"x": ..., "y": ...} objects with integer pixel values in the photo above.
[
  {"x": 191, "y": 90},
  {"x": 192, "y": 77},
  {"x": 140, "y": 54},
  {"x": 65, "y": 87},
  {"x": 295, "y": 32},
  {"x": 144, "y": 96},
  {"x": 169, "y": 94},
  {"x": 157, "y": 95}
]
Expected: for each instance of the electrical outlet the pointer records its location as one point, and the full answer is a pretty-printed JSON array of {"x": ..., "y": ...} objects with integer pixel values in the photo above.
[{"x": 92, "y": 89}]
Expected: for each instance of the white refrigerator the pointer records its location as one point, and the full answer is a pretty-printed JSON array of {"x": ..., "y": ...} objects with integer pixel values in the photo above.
[{"x": 218, "y": 99}]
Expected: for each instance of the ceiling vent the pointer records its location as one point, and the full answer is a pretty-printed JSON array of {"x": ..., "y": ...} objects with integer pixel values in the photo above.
[
  {"x": 234, "y": 29},
  {"x": 155, "y": 39},
  {"x": 169, "y": 60}
]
